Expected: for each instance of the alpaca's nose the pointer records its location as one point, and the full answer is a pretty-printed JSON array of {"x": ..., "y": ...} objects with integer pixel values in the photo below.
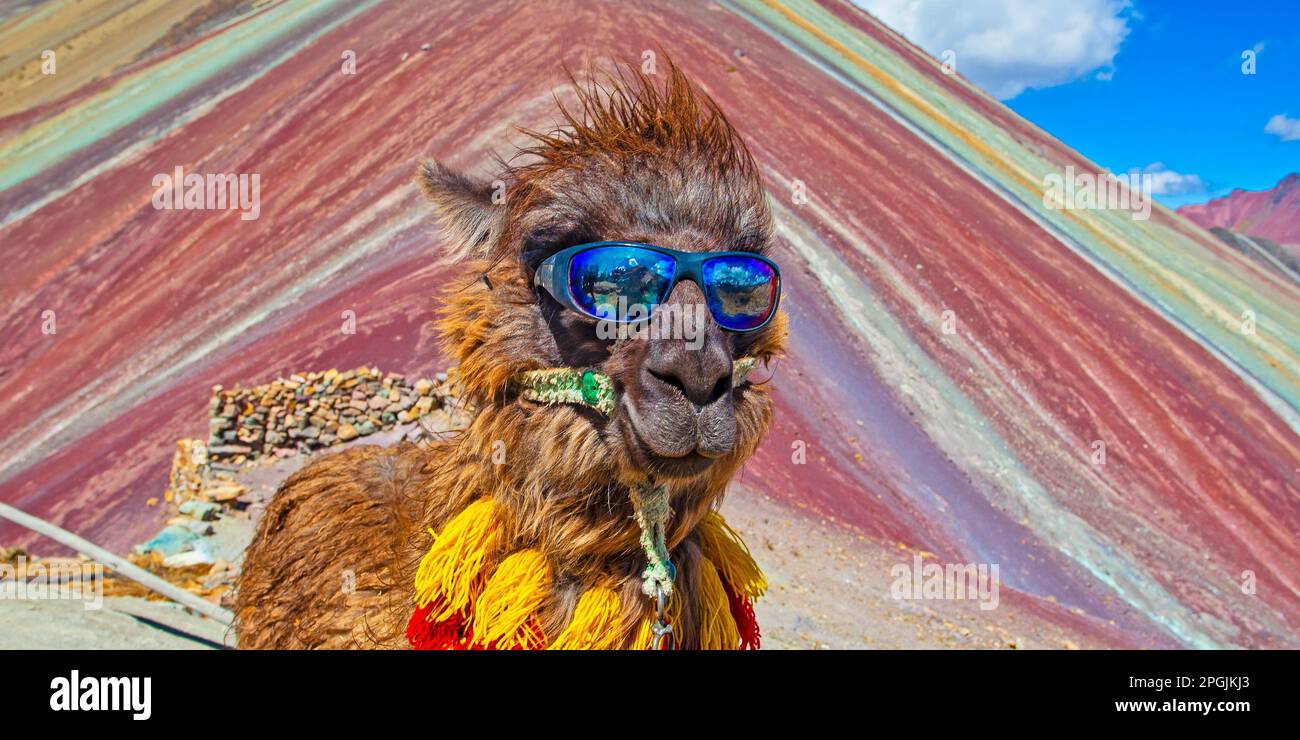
[
  {"x": 684, "y": 398},
  {"x": 700, "y": 377},
  {"x": 695, "y": 356}
]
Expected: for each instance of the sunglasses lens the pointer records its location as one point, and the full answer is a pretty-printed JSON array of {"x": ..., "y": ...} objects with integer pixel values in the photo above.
[
  {"x": 619, "y": 283},
  {"x": 741, "y": 291}
]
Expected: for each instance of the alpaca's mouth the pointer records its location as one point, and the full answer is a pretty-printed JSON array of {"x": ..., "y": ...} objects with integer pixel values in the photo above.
[
  {"x": 645, "y": 457},
  {"x": 688, "y": 466}
]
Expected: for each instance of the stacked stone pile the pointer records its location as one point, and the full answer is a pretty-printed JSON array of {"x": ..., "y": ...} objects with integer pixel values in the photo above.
[
  {"x": 305, "y": 413},
  {"x": 209, "y": 491}
]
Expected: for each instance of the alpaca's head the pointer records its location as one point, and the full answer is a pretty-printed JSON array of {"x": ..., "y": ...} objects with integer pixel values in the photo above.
[{"x": 635, "y": 160}]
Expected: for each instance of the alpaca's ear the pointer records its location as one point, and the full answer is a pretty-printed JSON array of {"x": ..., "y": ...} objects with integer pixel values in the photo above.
[{"x": 464, "y": 208}]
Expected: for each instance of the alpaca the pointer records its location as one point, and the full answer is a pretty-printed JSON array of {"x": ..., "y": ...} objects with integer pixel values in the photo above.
[{"x": 530, "y": 528}]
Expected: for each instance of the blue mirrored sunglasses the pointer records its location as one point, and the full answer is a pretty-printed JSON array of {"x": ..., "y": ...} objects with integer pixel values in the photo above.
[{"x": 623, "y": 282}]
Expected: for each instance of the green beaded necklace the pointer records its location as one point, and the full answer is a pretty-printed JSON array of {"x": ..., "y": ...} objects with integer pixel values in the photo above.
[{"x": 591, "y": 388}]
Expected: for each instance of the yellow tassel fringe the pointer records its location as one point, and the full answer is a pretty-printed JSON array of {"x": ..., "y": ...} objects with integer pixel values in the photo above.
[
  {"x": 451, "y": 568},
  {"x": 511, "y": 596},
  {"x": 724, "y": 547},
  {"x": 506, "y": 603},
  {"x": 717, "y": 626},
  {"x": 595, "y": 623}
]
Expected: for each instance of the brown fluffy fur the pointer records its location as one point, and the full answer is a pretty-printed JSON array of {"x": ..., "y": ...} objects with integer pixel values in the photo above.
[{"x": 637, "y": 161}]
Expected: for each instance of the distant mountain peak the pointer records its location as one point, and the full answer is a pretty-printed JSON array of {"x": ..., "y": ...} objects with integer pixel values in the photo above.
[{"x": 1273, "y": 214}]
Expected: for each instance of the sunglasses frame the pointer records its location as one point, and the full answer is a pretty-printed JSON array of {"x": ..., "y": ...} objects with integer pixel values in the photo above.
[{"x": 688, "y": 266}]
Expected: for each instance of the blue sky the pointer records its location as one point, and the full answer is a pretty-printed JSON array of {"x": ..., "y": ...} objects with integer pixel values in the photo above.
[{"x": 1149, "y": 85}]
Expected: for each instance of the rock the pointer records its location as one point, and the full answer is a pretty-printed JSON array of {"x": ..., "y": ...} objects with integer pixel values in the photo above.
[
  {"x": 426, "y": 47},
  {"x": 366, "y": 427},
  {"x": 378, "y": 402},
  {"x": 423, "y": 386},
  {"x": 201, "y": 510},
  {"x": 347, "y": 432},
  {"x": 202, "y": 529},
  {"x": 170, "y": 541},
  {"x": 222, "y": 494},
  {"x": 230, "y": 450},
  {"x": 187, "y": 559}
]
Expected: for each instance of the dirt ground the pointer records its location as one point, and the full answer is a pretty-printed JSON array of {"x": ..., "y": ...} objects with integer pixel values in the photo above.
[
  {"x": 830, "y": 589},
  {"x": 126, "y": 623}
]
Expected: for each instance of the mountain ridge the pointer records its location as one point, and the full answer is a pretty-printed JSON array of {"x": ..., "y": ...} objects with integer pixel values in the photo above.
[{"x": 1273, "y": 213}]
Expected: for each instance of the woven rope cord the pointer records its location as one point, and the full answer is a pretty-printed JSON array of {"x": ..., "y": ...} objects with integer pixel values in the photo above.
[{"x": 586, "y": 387}]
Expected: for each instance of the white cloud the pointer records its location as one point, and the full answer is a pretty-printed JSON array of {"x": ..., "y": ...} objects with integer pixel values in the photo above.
[
  {"x": 1164, "y": 181},
  {"x": 1007, "y": 46},
  {"x": 1286, "y": 129}
]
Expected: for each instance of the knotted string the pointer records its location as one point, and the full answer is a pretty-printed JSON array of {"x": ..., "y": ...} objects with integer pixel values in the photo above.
[{"x": 650, "y": 504}]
